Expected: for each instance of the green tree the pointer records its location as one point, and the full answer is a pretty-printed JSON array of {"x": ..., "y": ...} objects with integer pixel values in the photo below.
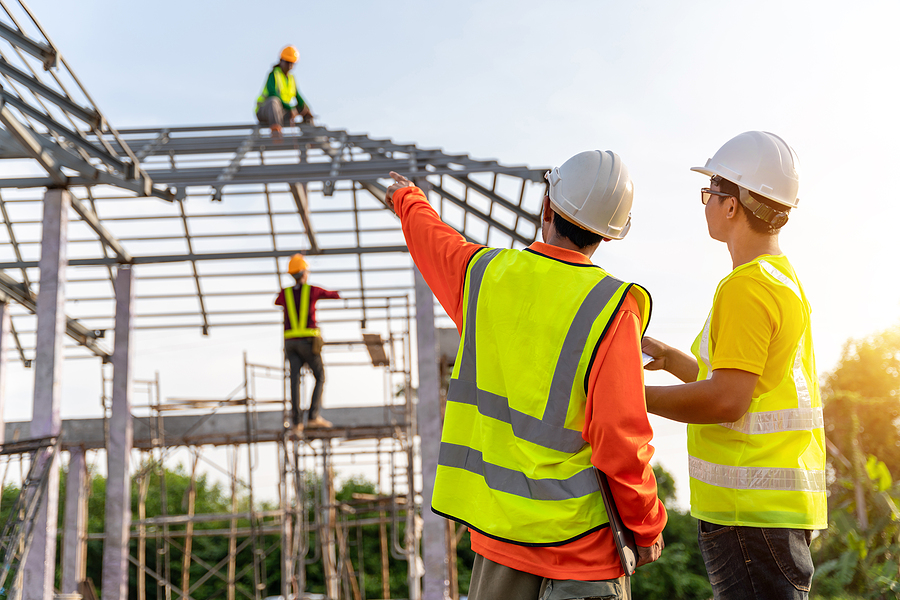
[
  {"x": 680, "y": 572},
  {"x": 857, "y": 555},
  {"x": 866, "y": 382}
]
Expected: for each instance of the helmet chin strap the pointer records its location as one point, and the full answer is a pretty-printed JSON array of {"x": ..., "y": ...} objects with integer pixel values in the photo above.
[{"x": 773, "y": 217}]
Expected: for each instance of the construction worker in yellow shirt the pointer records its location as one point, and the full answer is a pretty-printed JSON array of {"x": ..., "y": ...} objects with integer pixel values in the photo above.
[{"x": 756, "y": 442}]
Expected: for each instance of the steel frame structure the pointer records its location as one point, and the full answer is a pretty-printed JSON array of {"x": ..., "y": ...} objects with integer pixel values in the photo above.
[
  {"x": 318, "y": 192},
  {"x": 202, "y": 219}
]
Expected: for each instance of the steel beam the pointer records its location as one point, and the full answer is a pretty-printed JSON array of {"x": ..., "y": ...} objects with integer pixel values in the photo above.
[
  {"x": 71, "y": 135},
  {"x": 43, "y": 52},
  {"x": 170, "y": 258},
  {"x": 45, "y": 422},
  {"x": 131, "y": 177},
  {"x": 89, "y": 116},
  {"x": 436, "y": 581},
  {"x": 30, "y": 144},
  {"x": 108, "y": 239},
  {"x": 489, "y": 221},
  {"x": 121, "y": 434},
  {"x": 5, "y": 323},
  {"x": 75, "y": 330},
  {"x": 229, "y": 171},
  {"x": 224, "y": 428},
  {"x": 298, "y": 191}
]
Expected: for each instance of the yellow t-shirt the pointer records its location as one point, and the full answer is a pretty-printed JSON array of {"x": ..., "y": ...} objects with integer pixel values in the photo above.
[
  {"x": 756, "y": 323},
  {"x": 767, "y": 469}
]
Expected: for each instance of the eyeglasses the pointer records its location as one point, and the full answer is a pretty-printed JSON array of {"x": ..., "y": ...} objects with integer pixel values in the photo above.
[{"x": 706, "y": 194}]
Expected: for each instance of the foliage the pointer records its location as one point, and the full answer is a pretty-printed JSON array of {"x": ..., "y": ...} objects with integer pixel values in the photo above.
[
  {"x": 856, "y": 559},
  {"x": 857, "y": 556},
  {"x": 363, "y": 543},
  {"x": 866, "y": 382},
  {"x": 680, "y": 572}
]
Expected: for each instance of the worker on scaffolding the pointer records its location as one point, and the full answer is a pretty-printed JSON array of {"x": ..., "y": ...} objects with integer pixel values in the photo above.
[
  {"x": 303, "y": 340},
  {"x": 548, "y": 383},
  {"x": 274, "y": 107},
  {"x": 756, "y": 441}
]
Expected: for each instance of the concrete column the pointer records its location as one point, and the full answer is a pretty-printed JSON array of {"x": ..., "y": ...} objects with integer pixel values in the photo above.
[
  {"x": 45, "y": 421},
  {"x": 4, "y": 346},
  {"x": 118, "y": 483},
  {"x": 74, "y": 542},
  {"x": 436, "y": 584}
]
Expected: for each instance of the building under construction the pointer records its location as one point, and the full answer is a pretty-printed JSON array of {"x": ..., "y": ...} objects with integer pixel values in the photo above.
[{"x": 112, "y": 232}]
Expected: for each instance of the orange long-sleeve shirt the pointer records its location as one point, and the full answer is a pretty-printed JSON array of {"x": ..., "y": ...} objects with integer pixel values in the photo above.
[{"x": 616, "y": 424}]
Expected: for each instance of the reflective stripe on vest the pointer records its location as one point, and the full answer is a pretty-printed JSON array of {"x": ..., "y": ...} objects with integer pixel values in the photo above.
[
  {"x": 295, "y": 319},
  {"x": 757, "y": 478},
  {"x": 788, "y": 496},
  {"x": 548, "y": 431},
  {"x": 516, "y": 482},
  {"x": 285, "y": 86},
  {"x": 509, "y": 501}
]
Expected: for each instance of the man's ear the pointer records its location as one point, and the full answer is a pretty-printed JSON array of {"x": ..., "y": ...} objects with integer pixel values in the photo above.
[
  {"x": 732, "y": 206},
  {"x": 546, "y": 210}
]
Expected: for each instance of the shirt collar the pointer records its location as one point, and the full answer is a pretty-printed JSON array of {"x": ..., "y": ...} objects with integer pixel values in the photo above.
[{"x": 570, "y": 256}]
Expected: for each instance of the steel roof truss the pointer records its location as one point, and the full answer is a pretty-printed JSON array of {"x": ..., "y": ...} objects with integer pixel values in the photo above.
[{"x": 43, "y": 52}]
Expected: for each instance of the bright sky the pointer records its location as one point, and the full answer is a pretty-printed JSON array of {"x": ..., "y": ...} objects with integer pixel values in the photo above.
[{"x": 663, "y": 84}]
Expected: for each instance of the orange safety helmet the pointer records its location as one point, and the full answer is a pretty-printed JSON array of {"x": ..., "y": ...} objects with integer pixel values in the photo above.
[
  {"x": 290, "y": 54},
  {"x": 297, "y": 264}
]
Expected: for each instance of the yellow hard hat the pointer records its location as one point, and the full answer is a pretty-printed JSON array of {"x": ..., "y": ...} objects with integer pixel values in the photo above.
[
  {"x": 290, "y": 54},
  {"x": 297, "y": 264}
]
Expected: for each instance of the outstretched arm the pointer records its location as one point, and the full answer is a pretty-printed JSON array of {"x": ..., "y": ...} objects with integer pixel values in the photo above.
[{"x": 441, "y": 254}]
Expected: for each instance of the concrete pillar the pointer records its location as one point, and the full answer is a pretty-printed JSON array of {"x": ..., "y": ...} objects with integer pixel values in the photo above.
[
  {"x": 39, "y": 568},
  {"x": 4, "y": 346},
  {"x": 436, "y": 583},
  {"x": 118, "y": 483},
  {"x": 74, "y": 543}
]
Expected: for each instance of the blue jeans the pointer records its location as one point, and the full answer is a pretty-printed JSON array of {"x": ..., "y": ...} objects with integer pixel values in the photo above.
[{"x": 754, "y": 563}]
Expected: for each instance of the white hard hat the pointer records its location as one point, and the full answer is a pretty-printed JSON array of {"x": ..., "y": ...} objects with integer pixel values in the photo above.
[
  {"x": 593, "y": 190},
  {"x": 760, "y": 162}
]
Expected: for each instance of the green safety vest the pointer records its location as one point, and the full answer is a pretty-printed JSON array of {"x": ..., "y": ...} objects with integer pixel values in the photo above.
[
  {"x": 766, "y": 469},
  {"x": 513, "y": 464},
  {"x": 284, "y": 84},
  {"x": 297, "y": 320}
]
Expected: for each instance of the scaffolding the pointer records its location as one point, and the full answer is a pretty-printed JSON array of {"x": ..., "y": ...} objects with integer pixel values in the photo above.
[{"x": 307, "y": 525}]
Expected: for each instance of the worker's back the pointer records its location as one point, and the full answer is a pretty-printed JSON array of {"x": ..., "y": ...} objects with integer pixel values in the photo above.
[{"x": 531, "y": 326}]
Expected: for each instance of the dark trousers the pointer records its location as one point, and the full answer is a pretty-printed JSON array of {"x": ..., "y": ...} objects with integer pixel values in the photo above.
[
  {"x": 299, "y": 352},
  {"x": 492, "y": 580},
  {"x": 755, "y": 563}
]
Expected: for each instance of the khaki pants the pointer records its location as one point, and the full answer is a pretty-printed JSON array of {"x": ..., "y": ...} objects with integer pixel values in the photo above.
[
  {"x": 272, "y": 111},
  {"x": 493, "y": 581}
]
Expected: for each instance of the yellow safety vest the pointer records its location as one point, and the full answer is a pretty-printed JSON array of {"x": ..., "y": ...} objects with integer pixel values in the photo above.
[
  {"x": 766, "y": 469},
  {"x": 297, "y": 320},
  {"x": 285, "y": 84},
  {"x": 513, "y": 464}
]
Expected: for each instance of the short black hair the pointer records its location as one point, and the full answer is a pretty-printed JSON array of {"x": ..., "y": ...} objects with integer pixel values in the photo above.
[
  {"x": 577, "y": 235},
  {"x": 756, "y": 224}
]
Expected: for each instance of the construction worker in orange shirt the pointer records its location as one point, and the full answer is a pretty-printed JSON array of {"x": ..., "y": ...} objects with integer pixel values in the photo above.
[
  {"x": 547, "y": 385},
  {"x": 303, "y": 340},
  {"x": 756, "y": 441},
  {"x": 274, "y": 107}
]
